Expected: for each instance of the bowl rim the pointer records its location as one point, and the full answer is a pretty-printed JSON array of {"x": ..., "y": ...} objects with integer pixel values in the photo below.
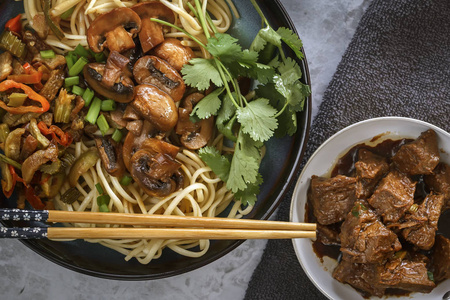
[
  {"x": 302, "y": 135},
  {"x": 312, "y": 157}
]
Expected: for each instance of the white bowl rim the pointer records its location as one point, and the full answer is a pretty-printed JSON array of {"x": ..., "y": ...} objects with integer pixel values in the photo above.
[{"x": 311, "y": 158}]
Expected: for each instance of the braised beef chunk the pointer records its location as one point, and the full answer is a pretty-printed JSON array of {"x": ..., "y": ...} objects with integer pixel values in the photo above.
[
  {"x": 328, "y": 234},
  {"x": 364, "y": 239},
  {"x": 360, "y": 276},
  {"x": 370, "y": 168},
  {"x": 439, "y": 182},
  {"x": 393, "y": 196},
  {"x": 406, "y": 275},
  {"x": 441, "y": 258},
  {"x": 332, "y": 198},
  {"x": 420, "y": 156},
  {"x": 420, "y": 226}
]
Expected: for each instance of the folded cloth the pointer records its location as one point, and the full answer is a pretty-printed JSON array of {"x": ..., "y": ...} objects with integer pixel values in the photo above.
[{"x": 397, "y": 64}]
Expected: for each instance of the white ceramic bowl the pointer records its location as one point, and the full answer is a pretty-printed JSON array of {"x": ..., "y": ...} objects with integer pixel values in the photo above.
[{"x": 321, "y": 163}]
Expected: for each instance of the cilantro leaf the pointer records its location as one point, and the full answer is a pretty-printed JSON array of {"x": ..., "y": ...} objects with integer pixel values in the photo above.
[
  {"x": 262, "y": 73},
  {"x": 200, "y": 72},
  {"x": 249, "y": 195},
  {"x": 225, "y": 120},
  {"x": 290, "y": 71},
  {"x": 218, "y": 163},
  {"x": 287, "y": 123},
  {"x": 209, "y": 105},
  {"x": 258, "y": 43},
  {"x": 291, "y": 39},
  {"x": 223, "y": 45},
  {"x": 257, "y": 119},
  {"x": 244, "y": 168}
]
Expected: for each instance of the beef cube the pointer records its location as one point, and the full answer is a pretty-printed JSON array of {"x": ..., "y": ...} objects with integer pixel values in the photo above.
[
  {"x": 420, "y": 156},
  {"x": 328, "y": 234},
  {"x": 364, "y": 239},
  {"x": 393, "y": 196},
  {"x": 331, "y": 198},
  {"x": 441, "y": 258},
  {"x": 360, "y": 276},
  {"x": 420, "y": 226},
  {"x": 439, "y": 182},
  {"x": 404, "y": 274},
  {"x": 370, "y": 168}
]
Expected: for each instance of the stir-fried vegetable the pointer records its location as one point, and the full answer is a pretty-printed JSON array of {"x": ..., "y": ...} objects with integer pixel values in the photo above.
[
  {"x": 58, "y": 135},
  {"x": 4, "y": 131},
  {"x": 34, "y": 130},
  {"x": 32, "y": 95},
  {"x": 85, "y": 161},
  {"x": 14, "y": 24},
  {"x": 53, "y": 27},
  {"x": 63, "y": 107},
  {"x": 11, "y": 43}
]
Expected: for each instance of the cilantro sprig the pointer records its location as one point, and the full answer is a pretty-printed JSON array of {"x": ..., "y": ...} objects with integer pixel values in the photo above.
[{"x": 246, "y": 120}]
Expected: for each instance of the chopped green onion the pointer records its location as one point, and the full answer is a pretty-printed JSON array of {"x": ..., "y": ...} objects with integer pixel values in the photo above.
[
  {"x": 99, "y": 189},
  {"x": 81, "y": 51},
  {"x": 88, "y": 95},
  {"x": 78, "y": 90},
  {"x": 48, "y": 54},
  {"x": 17, "y": 99},
  {"x": 102, "y": 202},
  {"x": 70, "y": 59},
  {"x": 117, "y": 135},
  {"x": 108, "y": 105},
  {"x": 94, "y": 110},
  {"x": 69, "y": 81},
  {"x": 102, "y": 124},
  {"x": 430, "y": 275},
  {"x": 126, "y": 180},
  {"x": 65, "y": 15},
  {"x": 78, "y": 66}
]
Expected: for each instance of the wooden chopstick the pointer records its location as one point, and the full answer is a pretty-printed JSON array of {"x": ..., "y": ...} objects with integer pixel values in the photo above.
[
  {"x": 173, "y": 233},
  {"x": 176, "y": 227}
]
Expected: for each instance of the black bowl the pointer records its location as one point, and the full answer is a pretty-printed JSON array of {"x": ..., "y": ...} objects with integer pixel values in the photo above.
[{"x": 279, "y": 167}]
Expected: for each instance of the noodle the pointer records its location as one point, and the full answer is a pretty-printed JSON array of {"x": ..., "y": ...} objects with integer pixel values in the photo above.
[{"x": 203, "y": 194}]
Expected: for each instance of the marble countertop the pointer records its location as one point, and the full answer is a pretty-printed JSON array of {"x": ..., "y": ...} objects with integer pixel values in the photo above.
[{"x": 326, "y": 27}]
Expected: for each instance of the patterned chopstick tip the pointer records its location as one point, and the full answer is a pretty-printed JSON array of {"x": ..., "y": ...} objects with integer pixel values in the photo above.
[
  {"x": 15, "y": 214},
  {"x": 23, "y": 232}
]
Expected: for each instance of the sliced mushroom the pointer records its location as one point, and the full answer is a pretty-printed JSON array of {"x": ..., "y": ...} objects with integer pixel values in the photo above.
[
  {"x": 172, "y": 51},
  {"x": 155, "y": 106},
  {"x": 114, "y": 30},
  {"x": 135, "y": 126},
  {"x": 156, "y": 173},
  {"x": 151, "y": 33},
  {"x": 37, "y": 159},
  {"x": 155, "y": 146},
  {"x": 154, "y": 70},
  {"x": 116, "y": 65},
  {"x": 122, "y": 90},
  {"x": 130, "y": 114},
  {"x": 132, "y": 143},
  {"x": 111, "y": 155},
  {"x": 193, "y": 135}
]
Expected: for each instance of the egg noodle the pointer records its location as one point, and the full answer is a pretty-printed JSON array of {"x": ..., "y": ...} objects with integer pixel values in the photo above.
[
  {"x": 86, "y": 11},
  {"x": 204, "y": 194}
]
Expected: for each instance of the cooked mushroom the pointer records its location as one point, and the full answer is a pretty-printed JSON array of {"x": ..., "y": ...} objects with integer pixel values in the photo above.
[
  {"x": 132, "y": 143},
  {"x": 114, "y": 30},
  {"x": 111, "y": 156},
  {"x": 154, "y": 70},
  {"x": 155, "y": 169},
  {"x": 193, "y": 135},
  {"x": 5, "y": 65},
  {"x": 51, "y": 63},
  {"x": 37, "y": 159},
  {"x": 135, "y": 126},
  {"x": 116, "y": 65},
  {"x": 172, "y": 51},
  {"x": 151, "y": 33},
  {"x": 155, "y": 106},
  {"x": 122, "y": 90}
]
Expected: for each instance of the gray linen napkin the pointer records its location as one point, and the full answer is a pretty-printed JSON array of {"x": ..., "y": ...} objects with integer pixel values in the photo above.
[{"x": 397, "y": 64}]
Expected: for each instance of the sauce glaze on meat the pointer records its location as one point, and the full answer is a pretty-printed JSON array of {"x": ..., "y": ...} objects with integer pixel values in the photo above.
[{"x": 378, "y": 214}]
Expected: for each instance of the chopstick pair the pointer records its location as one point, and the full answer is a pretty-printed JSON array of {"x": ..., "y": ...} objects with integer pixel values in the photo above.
[{"x": 174, "y": 227}]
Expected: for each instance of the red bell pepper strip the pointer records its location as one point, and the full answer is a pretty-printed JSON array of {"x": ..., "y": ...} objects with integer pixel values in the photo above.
[
  {"x": 34, "y": 200},
  {"x": 14, "y": 24},
  {"x": 27, "y": 78},
  {"x": 9, "y": 84},
  {"x": 61, "y": 137},
  {"x": 15, "y": 178}
]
